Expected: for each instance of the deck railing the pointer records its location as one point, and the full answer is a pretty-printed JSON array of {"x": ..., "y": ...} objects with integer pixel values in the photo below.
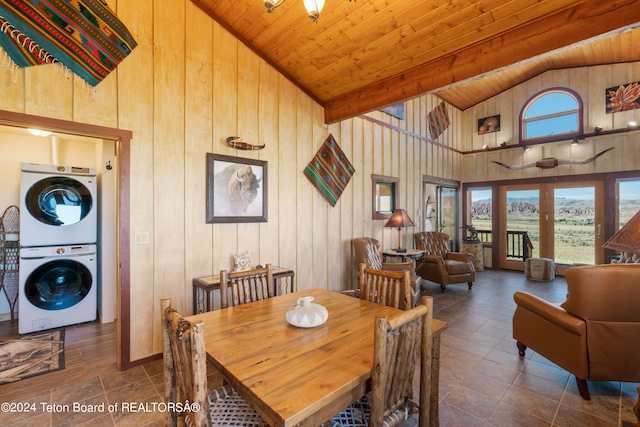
[{"x": 519, "y": 245}]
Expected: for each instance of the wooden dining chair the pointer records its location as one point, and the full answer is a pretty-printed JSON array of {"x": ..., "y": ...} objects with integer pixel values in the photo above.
[
  {"x": 246, "y": 286},
  {"x": 185, "y": 378},
  {"x": 392, "y": 288},
  {"x": 400, "y": 342}
]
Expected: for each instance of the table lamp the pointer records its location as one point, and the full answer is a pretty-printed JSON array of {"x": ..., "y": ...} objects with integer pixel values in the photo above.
[
  {"x": 400, "y": 219},
  {"x": 627, "y": 239}
]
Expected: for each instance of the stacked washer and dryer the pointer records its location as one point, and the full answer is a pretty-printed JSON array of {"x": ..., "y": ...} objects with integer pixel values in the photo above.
[{"x": 58, "y": 235}]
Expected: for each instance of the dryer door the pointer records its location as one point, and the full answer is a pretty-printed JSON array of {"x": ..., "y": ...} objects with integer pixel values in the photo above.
[
  {"x": 58, "y": 201},
  {"x": 58, "y": 284}
]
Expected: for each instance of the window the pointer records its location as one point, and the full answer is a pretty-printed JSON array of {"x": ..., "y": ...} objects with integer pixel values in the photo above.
[
  {"x": 551, "y": 115},
  {"x": 480, "y": 212},
  {"x": 385, "y": 194}
]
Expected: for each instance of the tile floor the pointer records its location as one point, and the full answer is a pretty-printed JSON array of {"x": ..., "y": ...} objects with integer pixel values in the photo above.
[{"x": 483, "y": 381}]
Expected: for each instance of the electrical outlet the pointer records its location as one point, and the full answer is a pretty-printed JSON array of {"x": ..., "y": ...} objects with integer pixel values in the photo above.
[{"x": 141, "y": 238}]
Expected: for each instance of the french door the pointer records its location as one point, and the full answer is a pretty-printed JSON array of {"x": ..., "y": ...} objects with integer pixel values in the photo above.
[
  {"x": 561, "y": 221},
  {"x": 441, "y": 211}
]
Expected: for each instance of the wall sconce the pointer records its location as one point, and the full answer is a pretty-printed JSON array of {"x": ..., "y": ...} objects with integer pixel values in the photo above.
[
  {"x": 504, "y": 144},
  {"x": 485, "y": 147},
  {"x": 575, "y": 141},
  {"x": 632, "y": 125},
  {"x": 526, "y": 148},
  {"x": 597, "y": 130}
]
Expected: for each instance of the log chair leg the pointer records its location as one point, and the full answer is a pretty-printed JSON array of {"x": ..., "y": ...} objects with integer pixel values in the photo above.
[
  {"x": 470, "y": 284},
  {"x": 583, "y": 388},
  {"x": 521, "y": 348}
]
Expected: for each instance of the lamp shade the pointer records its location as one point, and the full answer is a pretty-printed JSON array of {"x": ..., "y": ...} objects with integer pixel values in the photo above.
[
  {"x": 627, "y": 239},
  {"x": 399, "y": 219}
]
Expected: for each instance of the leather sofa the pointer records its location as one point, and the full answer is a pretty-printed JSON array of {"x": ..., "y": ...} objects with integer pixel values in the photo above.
[{"x": 595, "y": 333}]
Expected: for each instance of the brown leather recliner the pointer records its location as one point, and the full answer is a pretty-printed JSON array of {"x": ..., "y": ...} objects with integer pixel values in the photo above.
[
  {"x": 367, "y": 251},
  {"x": 594, "y": 333},
  {"x": 439, "y": 265}
]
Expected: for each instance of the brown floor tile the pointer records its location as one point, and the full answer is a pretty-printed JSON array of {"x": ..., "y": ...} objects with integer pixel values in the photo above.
[
  {"x": 532, "y": 403},
  {"x": 471, "y": 401},
  {"x": 508, "y": 416},
  {"x": 570, "y": 417}
]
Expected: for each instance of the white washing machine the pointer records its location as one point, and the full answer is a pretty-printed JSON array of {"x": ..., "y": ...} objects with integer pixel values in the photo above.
[
  {"x": 58, "y": 287},
  {"x": 58, "y": 205}
]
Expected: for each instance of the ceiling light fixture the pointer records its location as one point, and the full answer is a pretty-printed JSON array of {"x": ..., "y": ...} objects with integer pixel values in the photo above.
[
  {"x": 271, "y": 5},
  {"x": 314, "y": 7}
]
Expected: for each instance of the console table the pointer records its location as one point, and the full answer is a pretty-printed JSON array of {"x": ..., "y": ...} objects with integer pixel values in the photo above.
[{"x": 283, "y": 282}]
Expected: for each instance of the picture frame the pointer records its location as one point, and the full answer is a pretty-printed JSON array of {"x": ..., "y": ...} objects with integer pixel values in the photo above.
[
  {"x": 396, "y": 110},
  {"x": 237, "y": 189},
  {"x": 489, "y": 124}
]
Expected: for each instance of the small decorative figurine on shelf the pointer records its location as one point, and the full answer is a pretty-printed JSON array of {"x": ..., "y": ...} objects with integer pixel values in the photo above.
[{"x": 472, "y": 234}]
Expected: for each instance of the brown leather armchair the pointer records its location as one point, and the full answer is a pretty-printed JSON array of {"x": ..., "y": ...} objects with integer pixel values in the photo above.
[
  {"x": 594, "y": 333},
  {"x": 439, "y": 265},
  {"x": 367, "y": 251}
]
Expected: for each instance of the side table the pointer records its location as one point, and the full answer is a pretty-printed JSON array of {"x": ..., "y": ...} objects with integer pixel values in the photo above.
[
  {"x": 414, "y": 254},
  {"x": 283, "y": 282},
  {"x": 477, "y": 253}
]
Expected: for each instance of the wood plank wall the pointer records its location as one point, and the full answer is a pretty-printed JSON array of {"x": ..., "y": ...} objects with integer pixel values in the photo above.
[
  {"x": 590, "y": 83},
  {"x": 188, "y": 86}
]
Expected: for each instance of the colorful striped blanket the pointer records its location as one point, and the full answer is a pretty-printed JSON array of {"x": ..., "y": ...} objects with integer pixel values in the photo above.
[
  {"x": 329, "y": 171},
  {"x": 83, "y": 35}
]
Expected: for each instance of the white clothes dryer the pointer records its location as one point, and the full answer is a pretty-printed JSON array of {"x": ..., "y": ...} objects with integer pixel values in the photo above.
[
  {"x": 58, "y": 205},
  {"x": 58, "y": 287}
]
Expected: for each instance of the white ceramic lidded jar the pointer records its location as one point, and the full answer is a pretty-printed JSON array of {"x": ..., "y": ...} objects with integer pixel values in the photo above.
[{"x": 305, "y": 314}]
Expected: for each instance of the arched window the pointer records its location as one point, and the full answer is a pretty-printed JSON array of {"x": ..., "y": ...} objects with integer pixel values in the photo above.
[{"x": 551, "y": 115}]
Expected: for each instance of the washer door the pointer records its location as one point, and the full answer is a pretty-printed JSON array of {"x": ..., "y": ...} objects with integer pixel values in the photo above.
[
  {"x": 58, "y": 201},
  {"x": 58, "y": 285}
]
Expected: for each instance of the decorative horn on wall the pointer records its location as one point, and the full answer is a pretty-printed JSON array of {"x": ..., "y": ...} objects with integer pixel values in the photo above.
[
  {"x": 551, "y": 162},
  {"x": 235, "y": 142}
]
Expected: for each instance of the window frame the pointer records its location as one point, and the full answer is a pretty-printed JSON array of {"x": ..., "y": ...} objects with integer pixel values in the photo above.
[
  {"x": 391, "y": 183},
  {"x": 555, "y": 137}
]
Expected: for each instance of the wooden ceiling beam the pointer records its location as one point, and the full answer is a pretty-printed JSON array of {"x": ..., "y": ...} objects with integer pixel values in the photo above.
[{"x": 589, "y": 19}]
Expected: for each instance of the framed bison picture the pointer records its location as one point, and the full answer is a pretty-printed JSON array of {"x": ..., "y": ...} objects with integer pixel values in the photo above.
[{"x": 236, "y": 189}]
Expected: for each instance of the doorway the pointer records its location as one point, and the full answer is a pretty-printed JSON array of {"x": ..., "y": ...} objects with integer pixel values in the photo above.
[
  {"x": 441, "y": 210},
  {"x": 122, "y": 142},
  {"x": 561, "y": 221}
]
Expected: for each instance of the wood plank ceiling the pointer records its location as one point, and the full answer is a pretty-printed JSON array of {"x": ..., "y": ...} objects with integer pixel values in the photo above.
[{"x": 365, "y": 54}]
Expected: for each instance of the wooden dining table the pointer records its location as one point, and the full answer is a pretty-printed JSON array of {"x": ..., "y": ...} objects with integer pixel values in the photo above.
[{"x": 296, "y": 376}]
